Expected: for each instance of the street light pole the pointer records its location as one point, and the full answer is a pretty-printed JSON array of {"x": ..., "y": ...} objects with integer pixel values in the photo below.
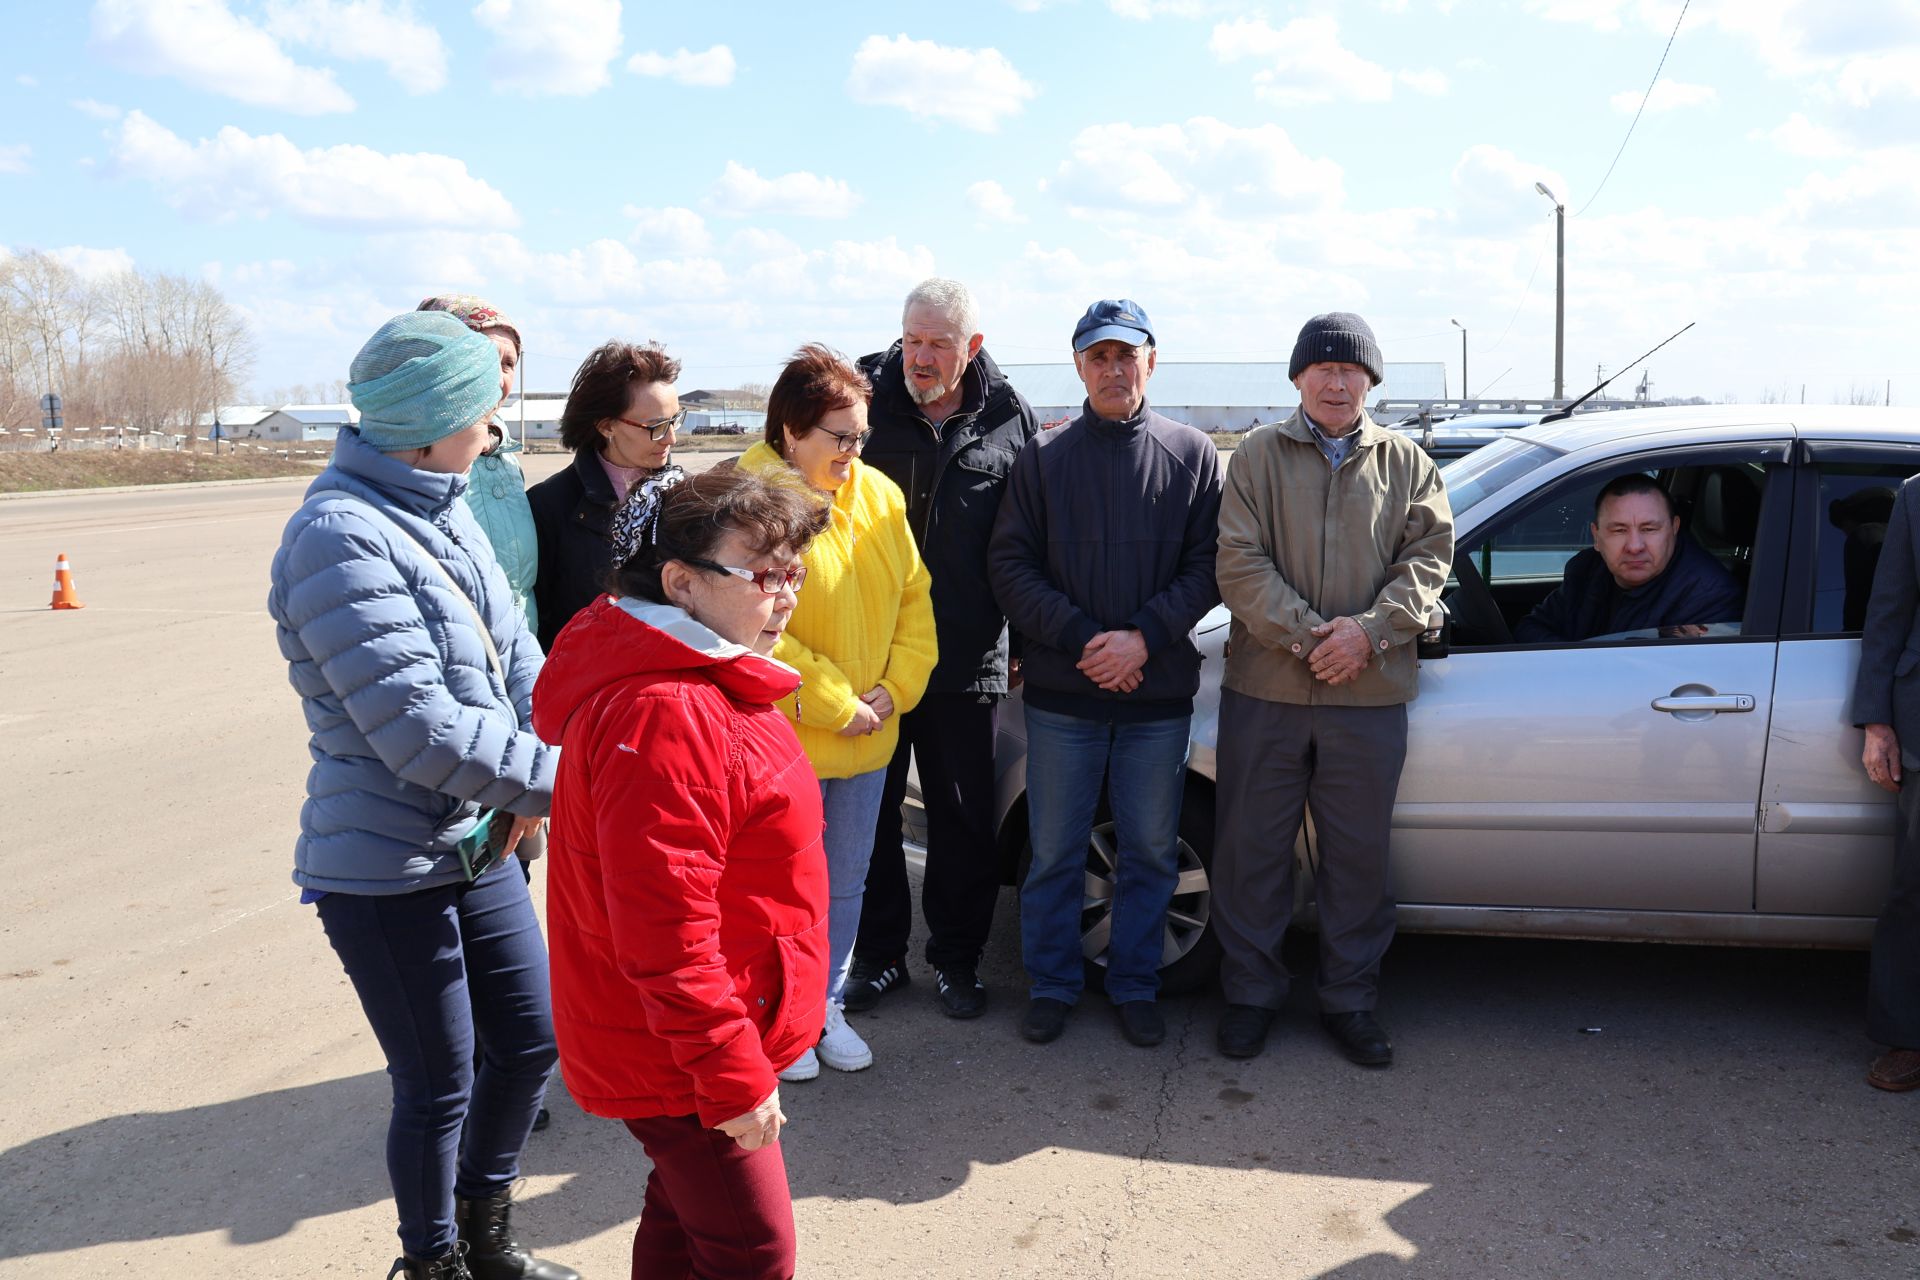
[
  {"x": 1463, "y": 356},
  {"x": 1559, "y": 292}
]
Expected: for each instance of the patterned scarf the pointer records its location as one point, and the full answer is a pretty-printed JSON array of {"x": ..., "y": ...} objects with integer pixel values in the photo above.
[{"x": 637, "y": 519}]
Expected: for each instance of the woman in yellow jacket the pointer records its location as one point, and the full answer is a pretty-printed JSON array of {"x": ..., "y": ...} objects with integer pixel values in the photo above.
[{"x": 861, "y": 638}]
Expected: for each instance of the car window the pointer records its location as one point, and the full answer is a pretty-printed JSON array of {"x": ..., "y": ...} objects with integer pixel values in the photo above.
[
  {"x": 1856, "y": 500},
  {"x": 1518, "y": 580},
  {"x": 1491, "y": 469}
]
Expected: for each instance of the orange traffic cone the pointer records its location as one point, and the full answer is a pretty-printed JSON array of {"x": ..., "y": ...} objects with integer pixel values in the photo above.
[{"x": 63, "y": 593}]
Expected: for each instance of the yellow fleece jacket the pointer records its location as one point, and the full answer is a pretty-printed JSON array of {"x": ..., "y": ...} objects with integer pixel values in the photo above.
[{"x": 864, "y": 619}]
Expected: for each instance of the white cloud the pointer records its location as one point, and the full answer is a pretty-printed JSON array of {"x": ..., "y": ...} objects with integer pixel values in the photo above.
[
  {"x": 1667, "y": 95},
  {"x": 710, "y": 70},
  {"x": 93, "y": 264},
  {"x": 1306, "y": 63},
  {"x": 560, "y": 47},
  {"x": 235, "y": 173},
  {"x": 26, "y": 81},
  {"x": 741, "y": 191},
  {"x": 16, "y": 157},
  {"x": 1863, "y": 82},
  {"x": 1799, "y": 136},
  {"x": 98, "y": 110},
  {"x": 990, "y": 200},
  {"x": 366, "y": 31},
  {"x": 1173, "y": 166},
  {"x": 973, "y": 88},
  {"x": 876, "y": 269},
  {"x": 668, "y": 231},
  {"x": 207, "y": 45},
  {"x": 1494, "y": 190}
]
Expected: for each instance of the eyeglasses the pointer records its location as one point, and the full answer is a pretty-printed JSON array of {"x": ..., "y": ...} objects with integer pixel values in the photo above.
[
  {"x": 849, "y": 442},
  {"x": 770, "y": 581},
  {"x": 660, "y": 428}
]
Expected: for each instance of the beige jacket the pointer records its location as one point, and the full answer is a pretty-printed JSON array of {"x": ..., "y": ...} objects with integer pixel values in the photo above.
[{"x": 1301, "y": 544}]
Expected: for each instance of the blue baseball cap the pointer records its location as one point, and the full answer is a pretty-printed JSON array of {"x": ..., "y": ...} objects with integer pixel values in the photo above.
[{"x": 1113, "y": 319}]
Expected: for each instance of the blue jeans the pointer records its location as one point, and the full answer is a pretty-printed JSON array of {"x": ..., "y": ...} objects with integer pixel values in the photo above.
[
  {"x": 852, "y": 806},
  {"x": 435, "y": 971},
  {"x": 1145, "y": 766}
]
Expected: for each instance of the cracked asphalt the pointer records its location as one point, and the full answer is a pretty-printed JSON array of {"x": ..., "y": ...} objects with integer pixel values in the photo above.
[{"x": 192, "y": 1090}]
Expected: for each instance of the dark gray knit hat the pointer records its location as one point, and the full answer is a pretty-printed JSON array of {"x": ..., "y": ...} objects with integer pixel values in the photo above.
[{"x": 1341, "y": 337}]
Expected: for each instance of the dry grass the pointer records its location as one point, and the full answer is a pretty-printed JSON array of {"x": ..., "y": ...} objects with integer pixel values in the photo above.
[{"x": 37, "y": 472}]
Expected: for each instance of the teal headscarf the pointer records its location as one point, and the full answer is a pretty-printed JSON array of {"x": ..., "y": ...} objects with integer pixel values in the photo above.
[{"x": 422, "y": 376}]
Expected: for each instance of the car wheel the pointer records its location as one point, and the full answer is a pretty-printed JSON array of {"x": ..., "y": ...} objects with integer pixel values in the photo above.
[{"x": 1189, "y": 950}]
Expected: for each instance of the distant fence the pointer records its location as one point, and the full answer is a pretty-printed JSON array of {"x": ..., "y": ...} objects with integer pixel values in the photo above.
[{"x": 102, "y": 439}]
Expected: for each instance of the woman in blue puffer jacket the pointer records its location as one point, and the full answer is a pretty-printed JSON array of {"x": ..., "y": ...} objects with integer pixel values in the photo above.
[{"x": 416, "y": 673}]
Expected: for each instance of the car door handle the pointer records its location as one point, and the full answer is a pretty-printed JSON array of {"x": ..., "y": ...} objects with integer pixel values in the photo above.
[{"x": 1705, "y": 702}]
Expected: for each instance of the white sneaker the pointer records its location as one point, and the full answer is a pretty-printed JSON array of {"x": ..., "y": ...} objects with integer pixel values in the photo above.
[
  {"x": 805, "y": 1067},
  {"x": 840, "y": 1045}
]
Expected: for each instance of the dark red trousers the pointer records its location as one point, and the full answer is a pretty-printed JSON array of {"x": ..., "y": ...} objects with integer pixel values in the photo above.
[{"x": 713, "y": 1211}]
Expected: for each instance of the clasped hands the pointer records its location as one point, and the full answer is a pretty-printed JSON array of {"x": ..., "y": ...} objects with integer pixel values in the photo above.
[
  {"x": 1112, "y": 660},
  {"x": 1343, "y": 652},
  {"x": 869, "y": 712}
]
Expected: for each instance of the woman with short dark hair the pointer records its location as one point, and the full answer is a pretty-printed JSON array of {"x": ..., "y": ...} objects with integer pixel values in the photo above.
[
  {"x": 862, "y": 640},
  {"x": 687, "y": 892},
  {"x": 620, "y": 422}
]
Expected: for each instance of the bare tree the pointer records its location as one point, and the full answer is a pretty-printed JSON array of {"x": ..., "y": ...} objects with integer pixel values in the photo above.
[{"x": 145, "y": 350}]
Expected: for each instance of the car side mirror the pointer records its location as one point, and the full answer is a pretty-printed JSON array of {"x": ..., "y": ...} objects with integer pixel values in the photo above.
[{"x": 1436, "y": 641}]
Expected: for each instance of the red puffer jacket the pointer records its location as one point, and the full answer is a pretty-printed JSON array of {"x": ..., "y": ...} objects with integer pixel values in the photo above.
[{"x": 687, "y": 885}]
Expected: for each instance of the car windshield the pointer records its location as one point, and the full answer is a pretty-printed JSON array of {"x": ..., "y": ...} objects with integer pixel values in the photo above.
[{"x": 1490, "y": 469}]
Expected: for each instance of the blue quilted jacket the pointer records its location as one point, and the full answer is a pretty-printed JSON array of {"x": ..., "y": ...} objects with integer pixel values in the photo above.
[{"x": 413, "y": 735}]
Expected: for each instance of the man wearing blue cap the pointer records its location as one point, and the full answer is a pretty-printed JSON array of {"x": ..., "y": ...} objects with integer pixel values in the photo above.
[
  {"x": 1335, "y": 539},
  {"x": 1102, "y": 557}
]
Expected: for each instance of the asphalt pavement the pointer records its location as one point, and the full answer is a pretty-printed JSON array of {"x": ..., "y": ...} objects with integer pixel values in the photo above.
[{"x": 192, "y": 1090}]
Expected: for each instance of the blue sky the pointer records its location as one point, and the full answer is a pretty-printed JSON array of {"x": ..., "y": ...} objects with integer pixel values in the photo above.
[{"x": 735, "y": 179}]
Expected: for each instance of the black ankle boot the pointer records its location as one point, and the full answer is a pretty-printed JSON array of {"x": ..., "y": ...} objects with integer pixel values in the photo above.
[
  {"x": 449, "y": 1266},
  {"x": 492, "y": 1252}
]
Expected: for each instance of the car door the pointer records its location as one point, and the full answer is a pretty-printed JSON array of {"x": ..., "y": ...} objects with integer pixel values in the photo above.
[
  {"x": 1606, "y": 775},
  {"x": 1826, "y": 833}
]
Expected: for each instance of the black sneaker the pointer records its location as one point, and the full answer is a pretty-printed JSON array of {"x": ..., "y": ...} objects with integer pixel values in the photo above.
[
  {"x": 870, "y": 979},
  {"x": 962, "y": 994}
]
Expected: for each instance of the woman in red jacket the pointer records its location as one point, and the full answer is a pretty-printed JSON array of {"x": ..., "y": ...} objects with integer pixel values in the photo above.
[{"x": 687, "y": 888}]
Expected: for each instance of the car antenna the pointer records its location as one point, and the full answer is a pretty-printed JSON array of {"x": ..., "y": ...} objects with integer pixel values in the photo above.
[{"x": 1563, "y": 414}]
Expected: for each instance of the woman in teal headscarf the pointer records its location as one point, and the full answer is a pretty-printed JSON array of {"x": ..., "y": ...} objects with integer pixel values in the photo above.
[
  {"x": 416, "y": 674},
  {"x": 496, "y": 487}
]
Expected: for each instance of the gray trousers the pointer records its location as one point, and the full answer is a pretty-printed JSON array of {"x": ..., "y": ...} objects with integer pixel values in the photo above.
[
  {"x": 1273, "y": 762},
  {"x": 1893, "y": 978}
]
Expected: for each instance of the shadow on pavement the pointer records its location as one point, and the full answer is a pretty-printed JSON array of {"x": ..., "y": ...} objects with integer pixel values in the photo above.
[{"x": 1554, "y": 1107}]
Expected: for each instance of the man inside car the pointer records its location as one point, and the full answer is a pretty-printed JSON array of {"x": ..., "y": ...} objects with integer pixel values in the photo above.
[{"x": 1643, "y": 573}]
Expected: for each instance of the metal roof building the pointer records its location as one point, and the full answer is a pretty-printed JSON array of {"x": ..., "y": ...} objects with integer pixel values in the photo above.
[{"x": 1214, "y": 396}]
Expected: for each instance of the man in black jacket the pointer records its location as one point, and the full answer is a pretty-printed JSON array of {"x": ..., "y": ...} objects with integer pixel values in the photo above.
[
  {"x": 946, "y": 428},
  {"x": 1886, "y": 703},
  {"x": 1103, "y": 557},
  {"x": 1643, "y": 573}
]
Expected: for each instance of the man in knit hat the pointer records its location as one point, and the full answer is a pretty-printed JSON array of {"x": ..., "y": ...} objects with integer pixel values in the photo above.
[{"x": 1335, "y": 539}]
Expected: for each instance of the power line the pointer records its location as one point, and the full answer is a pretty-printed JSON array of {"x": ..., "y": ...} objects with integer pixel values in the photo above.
[{"x": 1644, "y": 99}]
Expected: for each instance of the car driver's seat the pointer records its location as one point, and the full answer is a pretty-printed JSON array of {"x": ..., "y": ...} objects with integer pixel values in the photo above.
[{"x": 1726, "y": 517}]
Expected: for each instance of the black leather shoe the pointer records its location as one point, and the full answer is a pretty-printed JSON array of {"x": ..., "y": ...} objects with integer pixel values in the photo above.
[
  {"x": 1242, "y": 1032},
  {"x": 449, "y": 1266},
  {"x": 1361, "y": 1038},
  {"x": 1046, "y": 1019},
  {"x": 1141, "y": 1023}
]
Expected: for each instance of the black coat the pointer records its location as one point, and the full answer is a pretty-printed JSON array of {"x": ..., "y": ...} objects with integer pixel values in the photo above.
[
  {"x": 1110, "y": 525},
  {"x": 953, "y": 479},
  {"x": 1887, "y": 689},
  {"x": 572, "y": 513},
  {"x": 1694, "y": 588}
]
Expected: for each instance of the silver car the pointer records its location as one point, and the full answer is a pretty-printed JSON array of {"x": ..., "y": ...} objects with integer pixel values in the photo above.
[{"x": 1633, "y": 786}]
